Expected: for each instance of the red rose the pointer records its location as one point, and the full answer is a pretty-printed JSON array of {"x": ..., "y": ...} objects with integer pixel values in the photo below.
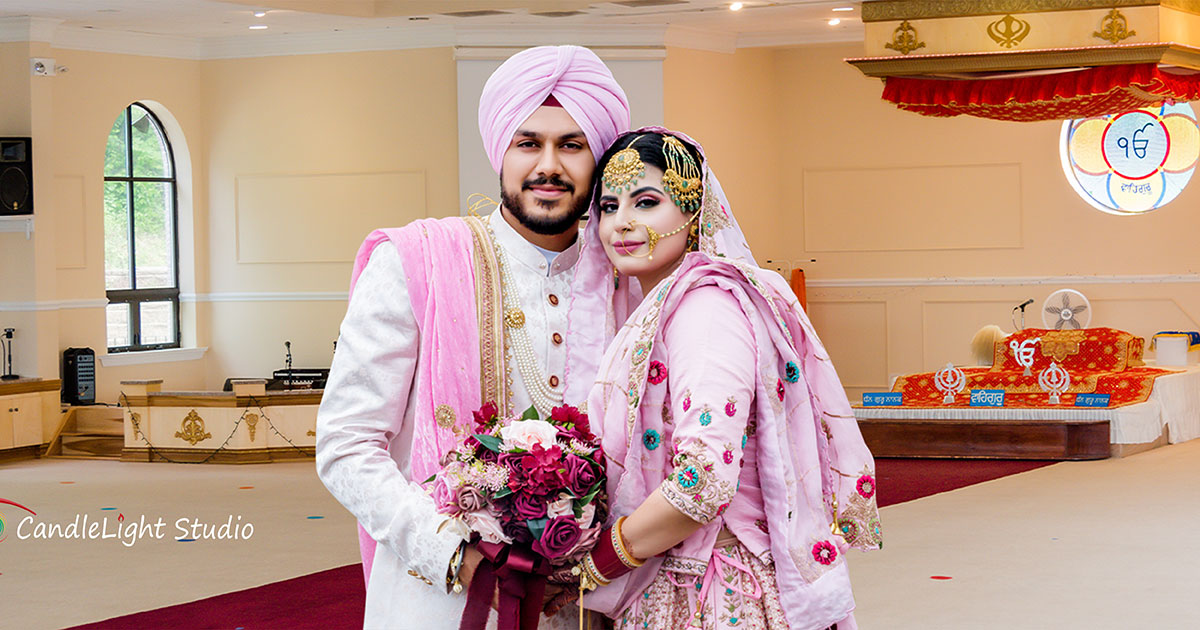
[
  {"x": 527, "y": 506},
  {"x": 558, "y": 538},
  {"x": 580, "y": 476}
]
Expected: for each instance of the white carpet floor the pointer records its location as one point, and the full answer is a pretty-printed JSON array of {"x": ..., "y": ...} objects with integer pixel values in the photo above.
[{"x": 1087, "y": 545}]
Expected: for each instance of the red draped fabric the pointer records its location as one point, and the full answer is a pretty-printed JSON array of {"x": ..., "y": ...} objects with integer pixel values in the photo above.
[{"x": 1059, "y": 96}]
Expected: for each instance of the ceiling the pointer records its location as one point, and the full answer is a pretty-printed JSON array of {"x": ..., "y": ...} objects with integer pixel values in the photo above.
[{"x": 203, "y": 23}]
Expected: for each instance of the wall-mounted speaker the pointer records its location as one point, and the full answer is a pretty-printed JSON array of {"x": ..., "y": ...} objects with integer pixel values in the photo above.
[{"x": 16, "y": 176}]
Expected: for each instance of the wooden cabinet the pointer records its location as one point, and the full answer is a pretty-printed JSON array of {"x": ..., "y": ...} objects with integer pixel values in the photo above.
[
  {"x": 26, "y": 411},
  {"x": 22, "y": 405}
]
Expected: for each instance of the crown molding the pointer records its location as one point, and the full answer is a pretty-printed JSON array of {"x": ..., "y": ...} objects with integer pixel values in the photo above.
[
  {"x": 283, "y": 44},
  {"x": 28, "y": 29},
  {"x": 613, "y": 42},
  {"x": 127, "y": 43},
  {"x": 500, "y": 53},
  {"x": 700, "y": 39},
  {"x": 850, "y": 35}
]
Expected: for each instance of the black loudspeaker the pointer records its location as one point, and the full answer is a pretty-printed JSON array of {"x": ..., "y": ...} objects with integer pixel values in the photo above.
[
  {"x": 79, "y": 376},
  {"x": 16, "y": 176}
]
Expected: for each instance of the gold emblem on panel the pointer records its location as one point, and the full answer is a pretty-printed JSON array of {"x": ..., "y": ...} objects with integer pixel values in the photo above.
[
  {"x": 904, "y": 39},
  {"x": 514, "y": 318},
  {"x": 251, "y": 424},
  {"x": 1008, "y": 31},
  {"x": 191, "y": 430},
  {"x": 135, "y": 419},
  {"x": 1114, "y": 28}
]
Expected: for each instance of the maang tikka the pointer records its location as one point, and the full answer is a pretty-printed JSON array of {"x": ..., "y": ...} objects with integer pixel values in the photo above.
[{"x": 624, "y": 169}]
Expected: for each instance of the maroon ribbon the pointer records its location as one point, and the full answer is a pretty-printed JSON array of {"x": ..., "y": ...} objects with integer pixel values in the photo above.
[{"x": 521, "y": 574}]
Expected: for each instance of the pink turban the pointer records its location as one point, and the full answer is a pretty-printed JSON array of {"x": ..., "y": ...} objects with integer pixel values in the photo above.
[{"x": 574, "y": 75}]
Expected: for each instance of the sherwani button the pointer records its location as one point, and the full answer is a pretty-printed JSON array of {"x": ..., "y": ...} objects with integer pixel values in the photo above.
[
  {"x": 553, "y": 381},
  {"x": 556, "y": 338},
  {"x": 553, "y": 299}
]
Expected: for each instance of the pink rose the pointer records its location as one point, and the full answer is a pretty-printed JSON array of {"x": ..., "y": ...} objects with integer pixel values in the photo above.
[
  {"x": 487, "y": 525},
  {"x": 560, "y": 536},
  {"x": 443, "y": 497},
  {"x": 486, "y": 414},
  {"x": 523, "y": 434},
  {"x": 469, "y": 498}
]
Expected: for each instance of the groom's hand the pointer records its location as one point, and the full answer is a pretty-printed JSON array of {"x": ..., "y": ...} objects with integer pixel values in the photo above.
[{"x": 558, "y": 596}]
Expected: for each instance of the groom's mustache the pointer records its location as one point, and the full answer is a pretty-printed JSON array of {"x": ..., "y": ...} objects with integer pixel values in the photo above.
[{"x": 551, "y": 181}]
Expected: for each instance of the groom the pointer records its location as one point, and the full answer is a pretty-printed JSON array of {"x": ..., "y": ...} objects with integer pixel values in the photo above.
[{"x": 447, "y": 314}]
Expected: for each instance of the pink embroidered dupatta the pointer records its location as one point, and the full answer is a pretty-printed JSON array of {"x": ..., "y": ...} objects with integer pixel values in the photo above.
[{"x": 810, "y": 471}]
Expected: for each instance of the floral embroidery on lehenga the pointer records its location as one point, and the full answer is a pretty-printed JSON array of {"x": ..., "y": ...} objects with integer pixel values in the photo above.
[
  {"x": 670, "y": 602},
  {"x": 858, "y": 518}
]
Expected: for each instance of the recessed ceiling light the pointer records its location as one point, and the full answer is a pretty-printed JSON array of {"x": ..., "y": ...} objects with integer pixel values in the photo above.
[
  {"x": 258, "y": 27},
  {"x": 736, "y": 6},
  {"x": 834, "y": 22},
  {"x": 263, "y": 13},
  {"x": 843, "y": 9}
]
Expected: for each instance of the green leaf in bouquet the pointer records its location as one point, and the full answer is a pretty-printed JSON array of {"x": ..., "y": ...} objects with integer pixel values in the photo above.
[
  {"x": 490, "y": 442},
  {"x": 431, "y": 478},
  {"x": 530, "y": 414},
  {"x": 537, "y": 526},
  {"x": 591, "y": 493},
  {"x": 503, "y": 493}
]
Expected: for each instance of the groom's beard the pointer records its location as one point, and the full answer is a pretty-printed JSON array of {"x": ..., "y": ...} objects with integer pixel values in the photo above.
[{"x": 546, "y": 225}]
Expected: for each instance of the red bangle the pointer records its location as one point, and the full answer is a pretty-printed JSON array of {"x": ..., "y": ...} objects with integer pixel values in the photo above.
[{"x": 610, "y": 556}]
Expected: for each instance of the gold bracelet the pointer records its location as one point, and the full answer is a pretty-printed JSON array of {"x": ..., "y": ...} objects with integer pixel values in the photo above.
[
  {"x": 589, "y": 576},
  {"x": 618, "y": 543}
]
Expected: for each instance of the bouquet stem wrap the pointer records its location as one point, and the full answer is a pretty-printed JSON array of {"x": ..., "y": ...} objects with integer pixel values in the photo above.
[{"x": 521, "y": 575}]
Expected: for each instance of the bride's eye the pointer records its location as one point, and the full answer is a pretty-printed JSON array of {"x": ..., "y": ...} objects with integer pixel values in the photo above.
[
  {"x": 608, "y": 207},
  {"x": 646, "y": 202}
]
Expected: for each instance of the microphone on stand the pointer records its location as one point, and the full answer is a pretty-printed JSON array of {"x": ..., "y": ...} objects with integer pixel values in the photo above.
[
  {"x": 7, "y": 360},
  {"x": 288, "y": 345},
  {"x": 1020, "y": 306}
]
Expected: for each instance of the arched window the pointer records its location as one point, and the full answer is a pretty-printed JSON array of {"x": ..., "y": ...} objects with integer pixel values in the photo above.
[{"x": 141, "y": 242}]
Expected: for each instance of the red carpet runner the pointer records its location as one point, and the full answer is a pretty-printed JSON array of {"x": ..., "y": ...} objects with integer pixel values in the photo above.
[{"x": 333, "y": 599}]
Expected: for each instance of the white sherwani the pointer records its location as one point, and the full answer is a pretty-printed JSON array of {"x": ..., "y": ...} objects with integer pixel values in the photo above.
[{"x": 365, "y": 426}]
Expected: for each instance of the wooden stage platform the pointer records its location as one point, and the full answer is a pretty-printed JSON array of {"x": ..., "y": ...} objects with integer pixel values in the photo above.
[{"x": 1042, "y": 438}]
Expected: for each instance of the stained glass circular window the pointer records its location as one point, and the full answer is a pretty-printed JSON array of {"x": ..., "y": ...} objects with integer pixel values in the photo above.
[{"x": 1132, "y": 162}]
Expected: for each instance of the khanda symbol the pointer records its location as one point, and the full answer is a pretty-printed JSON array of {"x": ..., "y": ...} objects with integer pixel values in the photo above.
[
  {"x": 1023, "y": 352},
  {"x": 1008, "y": 31}
]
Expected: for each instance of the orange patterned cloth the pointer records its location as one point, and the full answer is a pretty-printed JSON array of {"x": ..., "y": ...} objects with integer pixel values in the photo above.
[
  {"x": 1057, "y": 96},
  {"x": 1099, "y": 360}
]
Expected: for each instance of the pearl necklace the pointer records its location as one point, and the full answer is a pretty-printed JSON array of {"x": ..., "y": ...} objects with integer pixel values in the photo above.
[{"x": 544, "y": 397}]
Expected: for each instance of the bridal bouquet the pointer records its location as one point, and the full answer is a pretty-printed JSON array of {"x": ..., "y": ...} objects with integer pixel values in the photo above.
[{"x": 532, "y": 489}]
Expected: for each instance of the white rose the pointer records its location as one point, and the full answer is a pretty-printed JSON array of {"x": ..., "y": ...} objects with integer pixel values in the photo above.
[
  {"x": 524, "y": 434},
  {"x": 560, "y": 507},
  {"x": 487, "y": 525}
]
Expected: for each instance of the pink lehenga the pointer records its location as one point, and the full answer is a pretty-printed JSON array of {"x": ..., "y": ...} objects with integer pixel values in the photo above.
[{"x": 717, "y": 392}]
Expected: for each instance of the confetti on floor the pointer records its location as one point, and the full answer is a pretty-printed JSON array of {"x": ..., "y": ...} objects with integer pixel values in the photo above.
[{"x": 940, "y": 577}]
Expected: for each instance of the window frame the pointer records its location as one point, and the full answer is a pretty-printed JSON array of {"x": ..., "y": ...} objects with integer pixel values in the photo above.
[{"x": 134, "y": 296}]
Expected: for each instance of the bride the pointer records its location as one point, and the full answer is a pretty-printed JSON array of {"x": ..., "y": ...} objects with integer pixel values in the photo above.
[{"x": 737, "y": 476}]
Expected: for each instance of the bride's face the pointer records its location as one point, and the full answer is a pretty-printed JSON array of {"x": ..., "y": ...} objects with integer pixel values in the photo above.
[{"x": 624, "y": 217}]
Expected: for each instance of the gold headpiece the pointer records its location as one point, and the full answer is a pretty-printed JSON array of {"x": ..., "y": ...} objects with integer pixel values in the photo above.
[
  {"x": 624, "y": 169},
  {"x": 682, "y": 179}
]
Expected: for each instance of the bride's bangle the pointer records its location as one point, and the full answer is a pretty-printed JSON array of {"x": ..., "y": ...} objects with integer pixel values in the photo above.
[{"x": 610, "y": 558}]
